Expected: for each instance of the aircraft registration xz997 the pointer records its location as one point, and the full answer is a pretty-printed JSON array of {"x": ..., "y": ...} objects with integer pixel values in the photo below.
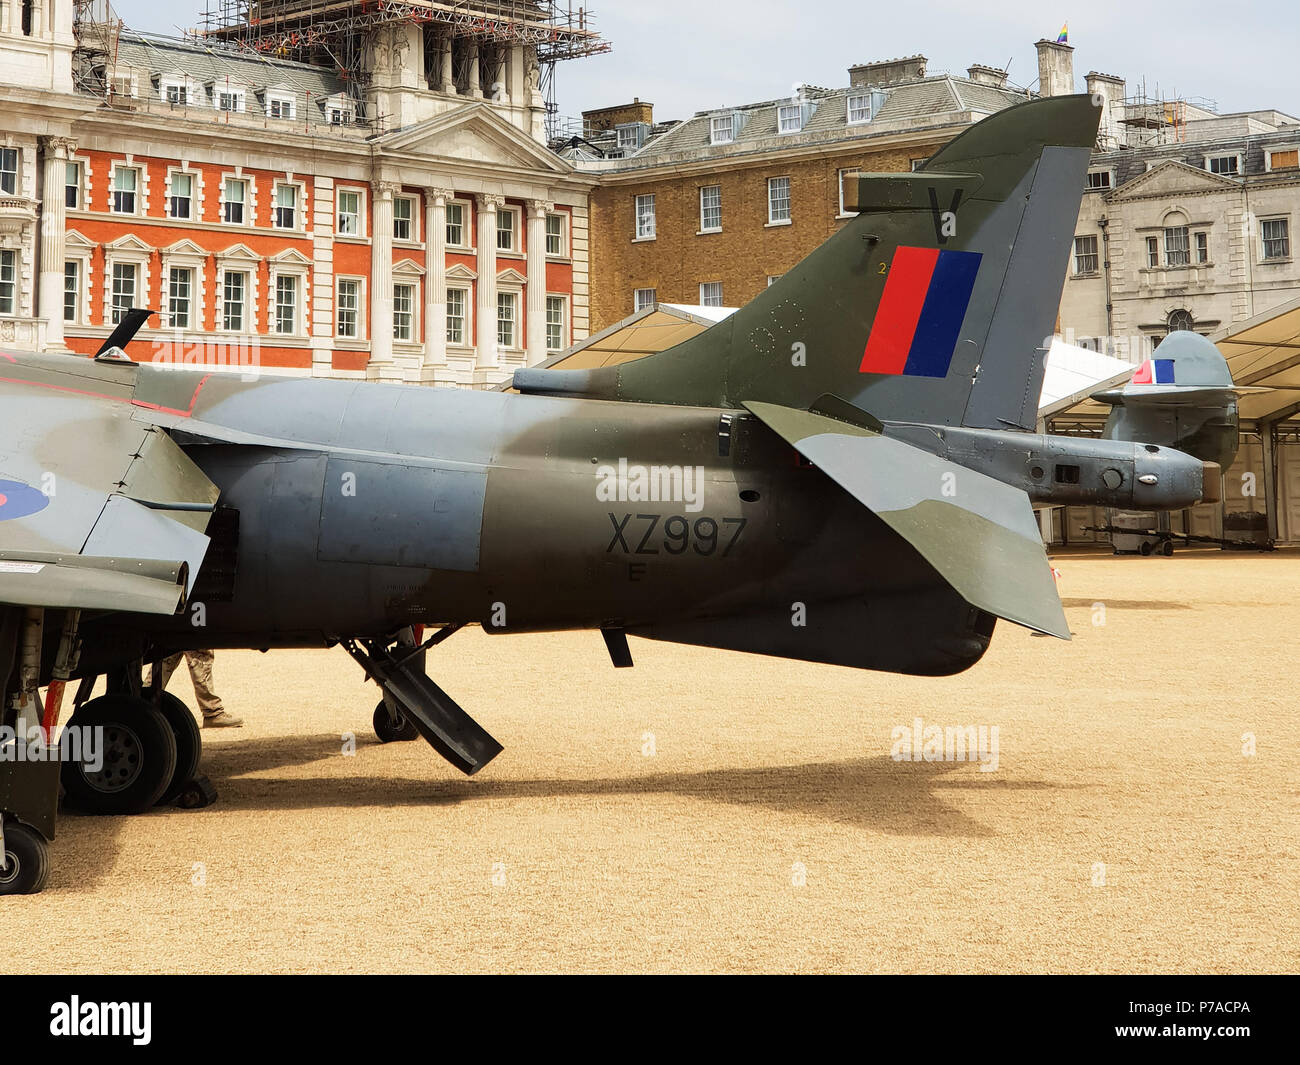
[{"x": 856, "y": 441}]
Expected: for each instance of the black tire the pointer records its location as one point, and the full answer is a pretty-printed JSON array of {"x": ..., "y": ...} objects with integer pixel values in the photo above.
[
  {"x": 1167, "y": 549},
  {"x": 139, "y": 757},
  {"x": 387, "y": 731},
  {"x": 189, "y": 745},
  {"x": 1145, "y": 549},
  {"x": 26, "y": 864}
]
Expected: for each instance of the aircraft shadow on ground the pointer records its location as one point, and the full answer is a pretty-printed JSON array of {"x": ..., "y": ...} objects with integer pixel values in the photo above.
[{"x": 874, "y": 794}]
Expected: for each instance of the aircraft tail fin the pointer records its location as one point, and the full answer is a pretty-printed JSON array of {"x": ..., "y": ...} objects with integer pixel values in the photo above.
[
  {"x": 931, "y": 304},
  {"x": 1182, "y": 397}
]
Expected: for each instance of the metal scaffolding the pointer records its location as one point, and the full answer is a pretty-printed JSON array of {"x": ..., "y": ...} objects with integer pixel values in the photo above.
[
  {"x": 335, "y": 32},
  {"x": 96, "y": 31}
]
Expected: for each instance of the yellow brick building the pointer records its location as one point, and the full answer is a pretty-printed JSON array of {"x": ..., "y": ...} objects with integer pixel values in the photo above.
[{"x": 710, "y": 210}]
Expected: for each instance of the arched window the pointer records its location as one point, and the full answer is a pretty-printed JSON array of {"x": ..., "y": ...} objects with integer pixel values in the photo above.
[{"x": 1180, "y": 319}]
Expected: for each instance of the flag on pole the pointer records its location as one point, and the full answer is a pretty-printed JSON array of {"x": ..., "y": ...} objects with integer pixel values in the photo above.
[{"x": 1064, "y": 36}]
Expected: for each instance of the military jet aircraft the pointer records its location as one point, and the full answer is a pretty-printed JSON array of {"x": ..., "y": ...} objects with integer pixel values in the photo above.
[{"x": 842, "y": 472}]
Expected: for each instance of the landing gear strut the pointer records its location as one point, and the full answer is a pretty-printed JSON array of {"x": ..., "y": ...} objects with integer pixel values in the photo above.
[{"x": 397, "y": 666}]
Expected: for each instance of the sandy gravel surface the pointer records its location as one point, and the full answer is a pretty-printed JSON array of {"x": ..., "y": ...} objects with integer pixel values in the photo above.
[{"x": 716, "y": 811}]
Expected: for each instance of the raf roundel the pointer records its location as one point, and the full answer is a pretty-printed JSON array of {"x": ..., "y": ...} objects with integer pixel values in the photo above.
[{"x": 18, "y": 500}]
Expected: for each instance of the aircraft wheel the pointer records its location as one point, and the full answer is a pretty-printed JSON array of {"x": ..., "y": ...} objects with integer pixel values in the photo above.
[
  {"x": 26, "y": 861},
  {"x": 189, "y": 745},
  {"x": 1167, "y": 549},
  {"x": 1145, "y": 548},
  {"x": 138, "y": 757},
  {"x": 390, "y": 732}
]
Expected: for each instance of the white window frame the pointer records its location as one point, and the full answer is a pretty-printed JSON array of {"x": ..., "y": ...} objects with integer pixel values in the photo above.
[
  {"x": 1286, "y": 255},
  {"x": 1153, "y": 253},
  {"x": 708, "y": 297},
  {"x": 11, "y": 177},
  {"x": 247, "y": 204},
  {"x": 168, "y": 279},
  {"x": 112, "y": 272},
  {"x": 1209, "y": 161},
  {"x": 359, "y": 217},
  {"x": 412, "y": 230},
  {"x": 783, "y": 113},
  {"x": 411, "y": 316},
  {"x": 561, "y": 238},
  {"x": 1200, "y": 242},
  {"x": 284, "y": 101},
  {"x": 359, "y": 322},
  {"x": 223, "y": 302},
  {"x": 722, "y": 129},
  {"x": 137, "y": 203},
  {"x": 299, "y": 207},
  {"x": 626, "y": 138},
  {"x": 773, "y": 183},
  {"x": 288, "y": 263},
  {"x": 186, "y": 88},
  {"x": 235, "y": 94},
  {"x": 466, "y": 305},
  {"x": 704, "y": 225},
  {"x": 184, "y": 255},
  {"x": 856, "y": 98},
  {"x": 466, "y": 228},
  {"x": 172, "y": 174},
  {"x": 238, "y": 259},
  {"x": 1099, "y": 171},
  {"x": 1077, "y": 256},
  {"x": 293, "y": 282},
  {"x": 840, "y": 175},
  {"x": 11, "y": 286},
  {"x": 1171, "y": 251},
  {"x": 513, "y": 213},
  {"x": 643, "y": 298},
  {"x": 76, "y": 166},
  {"x": 562, "y": 301},
  {"x": 640, "y": 230},
  {"x": 513, "y": 343},
  {"x": 77, "y": 289}
]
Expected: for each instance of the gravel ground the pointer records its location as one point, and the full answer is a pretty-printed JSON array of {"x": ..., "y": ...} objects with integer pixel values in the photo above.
[{"x": 714, "y": 811}]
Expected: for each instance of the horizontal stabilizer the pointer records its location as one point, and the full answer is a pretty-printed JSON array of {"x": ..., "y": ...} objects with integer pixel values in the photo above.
[{"x": 978, "y": 533}]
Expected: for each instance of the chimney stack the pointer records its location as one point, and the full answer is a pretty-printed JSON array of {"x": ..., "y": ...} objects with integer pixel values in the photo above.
[
  {"x": 987, "y": 76},
  {"x": 1055, "y": 68},
  {"x": 887, "y": 72}
]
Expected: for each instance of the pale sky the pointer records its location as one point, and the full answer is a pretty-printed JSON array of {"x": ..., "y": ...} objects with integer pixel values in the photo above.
[{"x": 688, "y": 55}]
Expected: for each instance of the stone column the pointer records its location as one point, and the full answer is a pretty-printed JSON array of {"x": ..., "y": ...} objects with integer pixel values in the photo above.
[
  {"x": 435, "y": 276},
  {"x": 536, "y": 249},
  {"x": 475, "y": 90},
  {"x": 54, "y": 240},
  {"x": 485, "y": 320},
  {"x": 381, "y": 277},
  {"x": 446, "y": 76}
]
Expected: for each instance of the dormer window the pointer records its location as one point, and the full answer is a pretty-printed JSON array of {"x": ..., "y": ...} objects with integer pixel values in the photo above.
[
  {"x": 859, "y": 108},
  {"x": 1227, "y": 165},
  {"x": 176, "y": 95},
  {"x": 627, "y": 137},
  {"x": 722, "y": 129},
  {"x": 122, "y": 85},
  {"x": 339, "y": 109},
  {"x": 789, "y": 118},
  {"x": 225, "y": 98},
  {"x": 279, "y": 105}
]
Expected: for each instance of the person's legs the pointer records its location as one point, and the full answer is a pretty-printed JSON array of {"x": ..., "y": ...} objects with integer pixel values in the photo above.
[
  {"x": 214, "y": 714},
  {"x": 168, "y": 667}
]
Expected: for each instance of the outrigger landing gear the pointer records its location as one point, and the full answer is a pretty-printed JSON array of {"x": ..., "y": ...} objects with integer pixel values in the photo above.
[
  {"x": 24, "y": 859},
  {"x": 396, "y": 664}
]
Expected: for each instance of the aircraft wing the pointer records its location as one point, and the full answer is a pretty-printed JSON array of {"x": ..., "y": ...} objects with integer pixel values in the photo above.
[
  {"x": 98, "y": 510},
  {"x": 977, "y": 532}
]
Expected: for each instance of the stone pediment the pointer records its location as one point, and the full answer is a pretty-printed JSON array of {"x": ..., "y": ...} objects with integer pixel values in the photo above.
[
  {"x": 473, "y": 133},
  {"x": 1172, "y": 177}
]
